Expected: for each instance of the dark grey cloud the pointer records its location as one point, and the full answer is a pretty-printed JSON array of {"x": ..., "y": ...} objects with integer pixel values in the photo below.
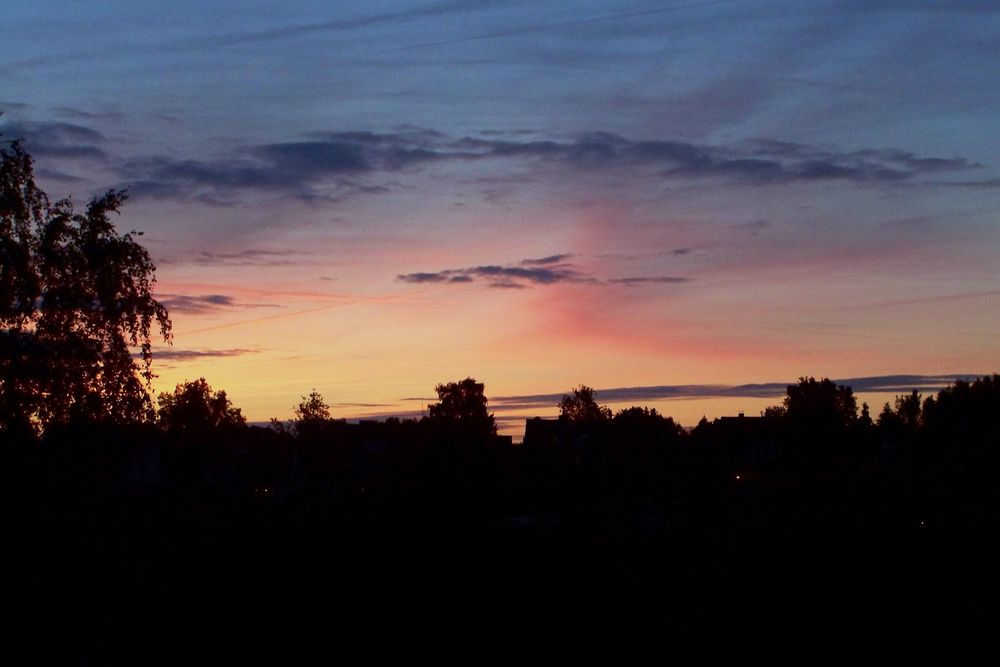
[
  {"x": 172, "y": 354},
  {"x": 551, "y": 259},
  {"x": 878, "y": 384},
  {"x": 541, "y": 275},
  {"x": 506, "y": 284},
  {"x": 185, "y": 303},
  {"x": 542, "y": 271},
  {"x": 310, "y": 159},
  {"x": 206, "y": 303},
  {"x": 667, "y": 280},
  {"x": 161, "y": 176},
  {"x": 761, "y": 162},
  {"x": 250, "y": 257},
  {"x": 351, "y": 163},
  {"x": 420, "y": 278},
  {"x": 905, "y": 383},
  {"x": 506, "y": 277},
  {"x": 56, "y": 139},
  {"x": 758, "y": 161},
  {"x": 295, "y": 168},
  {"x": 674, "y": 252}
]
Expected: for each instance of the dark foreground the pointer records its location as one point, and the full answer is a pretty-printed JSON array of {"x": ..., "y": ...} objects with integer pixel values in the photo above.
[{"x": 883, "y": 558}]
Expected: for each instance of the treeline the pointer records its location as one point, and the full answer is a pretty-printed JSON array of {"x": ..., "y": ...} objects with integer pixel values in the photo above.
[
  {"x": 816, "y": 410},
  {"x": 809, "y": 532},
  {"x": 199, "y": 437}
]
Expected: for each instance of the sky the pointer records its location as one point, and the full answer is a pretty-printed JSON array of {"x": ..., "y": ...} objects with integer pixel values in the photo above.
[{"x": 666, "y": 201}]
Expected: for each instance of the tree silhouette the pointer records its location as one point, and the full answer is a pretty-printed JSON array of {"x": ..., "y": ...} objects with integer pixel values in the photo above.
[
  {"x": 582, "y": 407},
  {"x": 645, "y": 426},
  {"x": 906, "y": 413},
  {"x": 194, "y": 406},
  {"x": 889, "y": 421},
  {"x": 636, "y": 415},
  {"x": 312, "y": 408},
  {"x": 311, "y": 415},
  {"x": 463, "y": 406},
  {"x": 774, "y": 412},
  {"x": 966, "y": 411},
  {"x": 75, "y": 301},
  {"x": 865, "y": 420},
  {"x": 820, "y": 405}
]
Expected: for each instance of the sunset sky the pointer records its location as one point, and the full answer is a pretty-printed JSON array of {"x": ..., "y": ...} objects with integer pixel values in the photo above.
[{"x": 370, "y": 198}]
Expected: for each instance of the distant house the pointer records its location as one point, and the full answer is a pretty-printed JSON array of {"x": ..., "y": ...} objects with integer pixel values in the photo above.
[
  {"x": 544, "y": 433},
  {"x": 747, "y": 439},
  {"x": 553, "y": 434},
  {"x": 562, "y": 439}
]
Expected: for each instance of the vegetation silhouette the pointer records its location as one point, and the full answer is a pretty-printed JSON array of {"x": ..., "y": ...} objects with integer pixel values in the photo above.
[
  {"x": 312, "y": 409},
  {"x": 193, "y": 406},
  {"x": 312, "y": 416},
  {"x": 820, "y": 406},
  {"x": 581, "y": 407},
  {"x": 809, "y": 532},
  {"x": 463, "y": 405},
  {"x": 75, "y": 299},
  {"x": 762, "y": 535}
]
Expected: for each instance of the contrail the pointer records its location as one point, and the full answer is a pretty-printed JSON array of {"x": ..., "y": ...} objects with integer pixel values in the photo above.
[
  {"x": 919, "y": 300},
  {"x": 297, "y": 313},
  {"x": 267, "y": 318},
  {"x": 549, "y": 26}
]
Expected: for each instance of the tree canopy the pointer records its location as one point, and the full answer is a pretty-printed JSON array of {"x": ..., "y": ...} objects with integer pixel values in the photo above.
[
  {"x": 312, "y": 414},
  {"x": 583, "y": 407},
  {"x": 193, "y": 406},
  {"x": 463, "y": 405},
  {"x": 77, "y": 313},
  {"x": 966, "y": 410},
  {"x": 312, "y": 408},
  {"x": 820, "y": 404}
]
